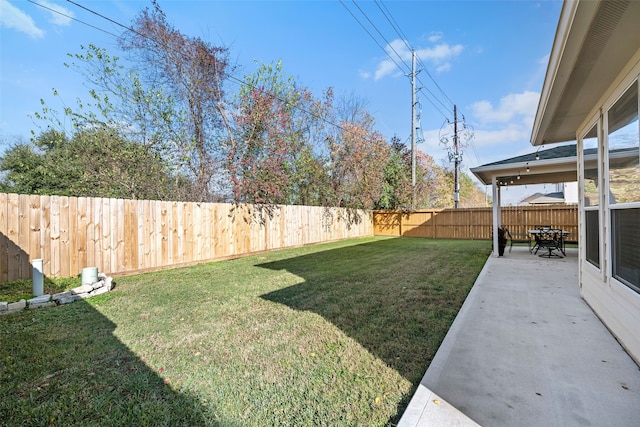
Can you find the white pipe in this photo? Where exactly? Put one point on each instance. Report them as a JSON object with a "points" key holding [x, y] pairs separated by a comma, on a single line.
{"points": [[38, 279]]}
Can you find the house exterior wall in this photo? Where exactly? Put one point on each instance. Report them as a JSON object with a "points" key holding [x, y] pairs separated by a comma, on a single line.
{"points": [[617, 304]]}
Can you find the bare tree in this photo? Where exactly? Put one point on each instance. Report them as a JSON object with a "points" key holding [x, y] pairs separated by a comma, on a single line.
{"points": [[194, 72]]}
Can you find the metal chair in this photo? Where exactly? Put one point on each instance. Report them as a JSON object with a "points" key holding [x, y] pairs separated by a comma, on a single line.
{"points": [[548, 239]]}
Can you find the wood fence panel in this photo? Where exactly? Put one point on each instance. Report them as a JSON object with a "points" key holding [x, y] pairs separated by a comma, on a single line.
{"points": [[81, 233], [172, 231], [130, 261], [222, 235], [105, 237], [156, 250], [90, 232], [119, 232], [96, 214], [4, 238], [34, 228], [387, 223], [13, 221], [473, 223], [75, 267], [124, 236], [55, 254], [208, 231], [245, 225], [23, 235], [45, 234], [64, 248], [275, 228], [187, 228], [151, 228]]}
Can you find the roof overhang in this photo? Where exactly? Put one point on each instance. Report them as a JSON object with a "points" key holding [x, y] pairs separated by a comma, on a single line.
{"points": [[540, 172], [594, 41]]}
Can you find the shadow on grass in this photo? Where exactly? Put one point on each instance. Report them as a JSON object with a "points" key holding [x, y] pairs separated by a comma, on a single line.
{"points": [[63, 366], [396, 297]]}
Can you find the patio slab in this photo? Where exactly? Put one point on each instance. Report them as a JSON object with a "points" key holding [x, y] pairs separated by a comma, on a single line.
{"points": [[526, 350]]}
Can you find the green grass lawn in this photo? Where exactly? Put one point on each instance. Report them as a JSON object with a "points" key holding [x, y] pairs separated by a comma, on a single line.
{"points": [[23, 289], [332, 334]]}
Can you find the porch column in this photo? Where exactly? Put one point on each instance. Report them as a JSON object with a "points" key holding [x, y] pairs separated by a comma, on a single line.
{"points": [[496, 213]]}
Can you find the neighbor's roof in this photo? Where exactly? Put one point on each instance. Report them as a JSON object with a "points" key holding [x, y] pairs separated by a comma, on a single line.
{"points": [[594, 42], [539, 199]]}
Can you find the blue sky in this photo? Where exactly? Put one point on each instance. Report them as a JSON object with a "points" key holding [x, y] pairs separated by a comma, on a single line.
{"points": [[487, 57]]}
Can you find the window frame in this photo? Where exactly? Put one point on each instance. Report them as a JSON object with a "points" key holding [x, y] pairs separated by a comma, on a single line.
{"points": [[609, 207], [595, 124]]}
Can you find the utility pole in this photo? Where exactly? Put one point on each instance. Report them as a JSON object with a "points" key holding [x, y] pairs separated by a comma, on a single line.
{"points": [[413, 129], [456, 157]]}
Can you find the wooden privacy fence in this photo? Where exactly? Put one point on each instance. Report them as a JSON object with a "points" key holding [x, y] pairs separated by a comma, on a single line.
{"points": [[473, 223], [127, 236]]}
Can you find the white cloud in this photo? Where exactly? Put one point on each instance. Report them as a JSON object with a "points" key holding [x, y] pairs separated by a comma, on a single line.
{"points": [[440, 53], [509, 134], [385, 68], [434, 37], [12, 17], [60, 16], [438, 56], [516, 105]]}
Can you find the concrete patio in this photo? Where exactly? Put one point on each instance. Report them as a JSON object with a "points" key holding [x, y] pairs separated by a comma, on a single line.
{"points": [[526, 350]]}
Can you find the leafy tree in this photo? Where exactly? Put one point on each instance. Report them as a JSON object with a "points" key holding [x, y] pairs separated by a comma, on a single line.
{"points": [[471, 195], [95, 163], [23, 170], [276, 154], [261, 156], [169, 98], [28, 171], [357, 161], [432, 183], [397, 191]]}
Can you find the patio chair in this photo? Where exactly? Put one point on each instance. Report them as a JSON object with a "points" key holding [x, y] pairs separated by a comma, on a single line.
{"points": [[549, 240], [536, 244]]}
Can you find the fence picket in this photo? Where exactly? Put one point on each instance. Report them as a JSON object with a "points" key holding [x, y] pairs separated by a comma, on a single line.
{"points": [[4, 239]]}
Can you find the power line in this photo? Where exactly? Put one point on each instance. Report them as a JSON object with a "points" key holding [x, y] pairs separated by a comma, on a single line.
{"points": [[101, 16], [404, 40], [434, 81], [394, 24], [396, 27], [72, 18], [373, 38]]}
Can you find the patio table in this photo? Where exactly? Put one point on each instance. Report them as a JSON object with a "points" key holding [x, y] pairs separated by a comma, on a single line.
{"points": [[550, 239]]}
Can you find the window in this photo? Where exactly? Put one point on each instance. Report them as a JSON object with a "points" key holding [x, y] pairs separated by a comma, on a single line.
{"points": [[626, 246], [592, 237], [591, 196], [624, 145], [624, 188]]}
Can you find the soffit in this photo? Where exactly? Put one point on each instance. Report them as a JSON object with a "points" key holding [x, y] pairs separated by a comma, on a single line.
{"points": [[593, 43]]}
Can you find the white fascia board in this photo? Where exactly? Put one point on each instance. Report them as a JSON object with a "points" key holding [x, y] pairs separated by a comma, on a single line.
{"points": [[575, 21]]}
